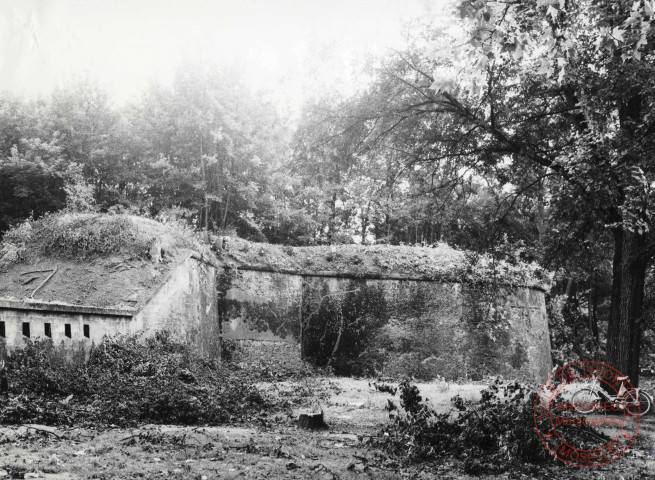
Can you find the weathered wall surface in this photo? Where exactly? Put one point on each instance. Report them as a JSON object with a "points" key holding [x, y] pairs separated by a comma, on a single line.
{"points": [[393, 326], [185, 306], [384, 325], [256, 305]]}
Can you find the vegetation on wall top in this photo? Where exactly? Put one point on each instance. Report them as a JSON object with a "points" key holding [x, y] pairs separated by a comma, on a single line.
{"points": [[436, 262], [103, 260], [79, 235]]}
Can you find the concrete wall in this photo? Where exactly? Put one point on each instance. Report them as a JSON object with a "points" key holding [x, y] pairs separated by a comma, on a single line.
{"points": [[383, 325], [392, 326], [425, 329], [185, 305], [258, 305]]}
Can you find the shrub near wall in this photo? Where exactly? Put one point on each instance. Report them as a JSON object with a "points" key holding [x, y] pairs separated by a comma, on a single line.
{"points": [[126, 382], [424, 329], [341, 322]]}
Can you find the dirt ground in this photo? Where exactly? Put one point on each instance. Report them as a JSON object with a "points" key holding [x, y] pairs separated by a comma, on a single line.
{"points": [[276, 448], [102, 282]]}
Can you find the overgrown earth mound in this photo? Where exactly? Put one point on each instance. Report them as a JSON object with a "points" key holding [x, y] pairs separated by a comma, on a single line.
{"points": [[102, 260], [119, 261]]}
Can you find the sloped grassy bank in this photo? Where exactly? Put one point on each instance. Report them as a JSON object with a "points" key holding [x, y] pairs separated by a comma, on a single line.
{"points": [[103, 260]]}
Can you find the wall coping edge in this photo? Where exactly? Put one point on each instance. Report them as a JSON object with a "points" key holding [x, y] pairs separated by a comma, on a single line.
{"points": [[64, 308], [367, 276]]}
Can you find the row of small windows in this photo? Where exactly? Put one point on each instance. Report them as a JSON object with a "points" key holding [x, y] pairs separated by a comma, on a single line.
{"points": [[47, 330]]}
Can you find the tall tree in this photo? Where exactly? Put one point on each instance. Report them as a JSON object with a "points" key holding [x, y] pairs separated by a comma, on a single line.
{"points": [[32, 164], [214, 146], [558, 92], [93, 134], [327, 151]]}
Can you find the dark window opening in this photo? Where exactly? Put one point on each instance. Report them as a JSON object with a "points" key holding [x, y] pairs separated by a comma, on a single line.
{"points": [[67, 330], [2, 329], [87, 331], [26, 329], [47, 329]]}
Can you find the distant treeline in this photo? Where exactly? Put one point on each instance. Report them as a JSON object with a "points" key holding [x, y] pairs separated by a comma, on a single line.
{"points": [[218, 155]]}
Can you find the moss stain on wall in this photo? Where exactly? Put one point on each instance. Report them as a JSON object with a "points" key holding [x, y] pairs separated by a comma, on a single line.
{"points": [[392, 327], [257, 305]]}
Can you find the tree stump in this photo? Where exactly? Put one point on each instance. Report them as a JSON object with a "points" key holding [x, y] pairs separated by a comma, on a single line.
{"points": [[311, 420]]}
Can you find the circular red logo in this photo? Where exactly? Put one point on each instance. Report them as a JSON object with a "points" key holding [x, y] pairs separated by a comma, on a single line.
{"points": [[587, 414]]}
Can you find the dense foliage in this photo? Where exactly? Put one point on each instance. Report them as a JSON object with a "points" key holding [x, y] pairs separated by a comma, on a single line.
{"points": [[127, 381], [531, 125], [210, 151], [85, 235], [207, 150], [489, 437]]}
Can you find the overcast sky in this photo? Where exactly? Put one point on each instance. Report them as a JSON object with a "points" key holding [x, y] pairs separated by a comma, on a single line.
{"points": [[283, 45]]}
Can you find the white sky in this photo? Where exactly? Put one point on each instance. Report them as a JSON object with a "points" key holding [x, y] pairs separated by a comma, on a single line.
{"points": [[286, 46]]}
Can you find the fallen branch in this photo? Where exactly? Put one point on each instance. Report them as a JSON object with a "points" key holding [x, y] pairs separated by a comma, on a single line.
{"points": [[36, 271], [44, 282], [78, 434], [190, 437], [336, 343], [43, 430], [136, 435]]}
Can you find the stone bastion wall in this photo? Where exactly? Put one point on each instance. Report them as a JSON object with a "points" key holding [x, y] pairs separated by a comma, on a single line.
{"points": [[386, 324]]}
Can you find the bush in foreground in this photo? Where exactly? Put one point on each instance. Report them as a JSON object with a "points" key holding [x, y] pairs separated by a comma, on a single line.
{"points": [[127, 382], [489, 437]]}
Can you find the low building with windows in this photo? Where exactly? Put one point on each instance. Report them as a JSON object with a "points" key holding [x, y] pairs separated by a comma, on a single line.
{"points": [[145, 287], [75, 327]]}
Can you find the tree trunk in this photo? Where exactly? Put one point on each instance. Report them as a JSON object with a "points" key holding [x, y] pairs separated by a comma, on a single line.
{"points": [[365, 223], [388, 224], [569, 288], [205, 205], [592, 307], [628, 278], [338, 340], [333, 218], [225, 210]]}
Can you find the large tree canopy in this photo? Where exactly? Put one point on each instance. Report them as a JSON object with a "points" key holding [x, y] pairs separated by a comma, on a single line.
{"points": [[554, 98]]}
